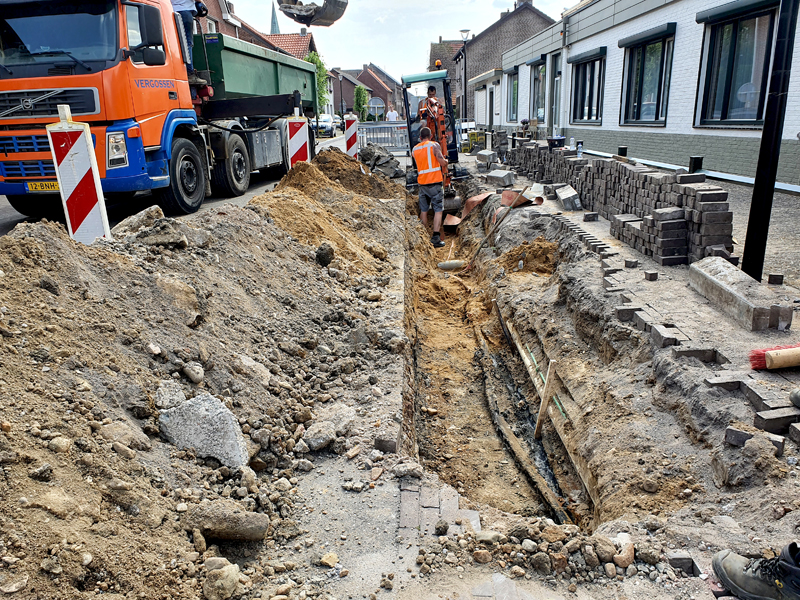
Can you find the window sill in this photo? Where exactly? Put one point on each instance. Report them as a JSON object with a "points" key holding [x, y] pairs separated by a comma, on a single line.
{"points": [[590, 123], [752, 126], [661, 124]]}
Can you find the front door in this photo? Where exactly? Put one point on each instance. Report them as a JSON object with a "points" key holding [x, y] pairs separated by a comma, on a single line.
{"points": [[490, 108]]}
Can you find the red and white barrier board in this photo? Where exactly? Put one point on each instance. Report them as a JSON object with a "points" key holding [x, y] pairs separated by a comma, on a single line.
{"points": [[351, 134], [298, 140], [78, 178]]}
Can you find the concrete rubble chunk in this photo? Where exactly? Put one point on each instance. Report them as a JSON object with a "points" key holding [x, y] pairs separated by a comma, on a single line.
{"points": [[169, 395], [319, 435], [738, 437], [207, 425], [226, 520], [500, 178], [132, 224], [737, 294], [220, 584]]}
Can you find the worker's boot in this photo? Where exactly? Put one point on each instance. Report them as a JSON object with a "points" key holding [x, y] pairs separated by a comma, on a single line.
{"points": [[195, 80], [760, 578], [437, 241]]}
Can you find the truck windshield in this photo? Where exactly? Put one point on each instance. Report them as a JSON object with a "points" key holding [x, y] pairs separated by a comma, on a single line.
{"points": [[46, 32]]}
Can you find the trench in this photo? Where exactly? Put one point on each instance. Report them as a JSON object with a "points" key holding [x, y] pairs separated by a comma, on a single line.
{"points": [[471, 400]]}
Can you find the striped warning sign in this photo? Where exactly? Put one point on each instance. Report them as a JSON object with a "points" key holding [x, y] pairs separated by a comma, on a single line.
{"points": [[78, 178], [351, 134], [298, 140]]}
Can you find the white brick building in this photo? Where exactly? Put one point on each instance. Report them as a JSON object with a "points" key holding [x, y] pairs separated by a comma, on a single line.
{"points": [[653, 75]]}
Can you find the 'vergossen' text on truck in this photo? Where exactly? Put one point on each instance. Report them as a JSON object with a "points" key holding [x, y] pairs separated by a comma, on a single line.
{"points": [[121, 67]]}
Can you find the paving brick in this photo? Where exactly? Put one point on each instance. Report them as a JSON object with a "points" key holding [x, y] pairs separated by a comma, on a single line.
{"points": [[726, 382], [631, 263], [794, 433], [429, 497], [691, 178], [504, 588], [484, 590], [473, 517], [708, 355], [590, 216], [737, 437], [500, 178], [713, 207], [663, 336], [778, 420], [651, 275], [626, 312], [757, 394], [428, 517], [642, 321], [708, 196], [409, 509], [775, 279]]}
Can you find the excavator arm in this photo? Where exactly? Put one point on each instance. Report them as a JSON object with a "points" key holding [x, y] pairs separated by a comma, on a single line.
{"points": [[313, 14]]}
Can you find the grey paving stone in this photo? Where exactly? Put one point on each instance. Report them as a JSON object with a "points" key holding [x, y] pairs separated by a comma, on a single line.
{"points": [[474, 517], [429, 497], [427, 520], [484, 590], [409, 509], [504, 588]]}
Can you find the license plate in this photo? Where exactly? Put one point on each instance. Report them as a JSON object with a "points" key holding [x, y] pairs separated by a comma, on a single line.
{"points": [[41, 186]]}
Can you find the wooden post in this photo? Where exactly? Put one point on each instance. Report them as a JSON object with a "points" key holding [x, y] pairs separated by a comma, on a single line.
{"points": [[548, 381]]}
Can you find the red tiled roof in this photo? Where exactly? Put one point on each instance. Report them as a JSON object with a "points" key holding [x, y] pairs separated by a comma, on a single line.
{"points": [[378, 79], [295, 44]]}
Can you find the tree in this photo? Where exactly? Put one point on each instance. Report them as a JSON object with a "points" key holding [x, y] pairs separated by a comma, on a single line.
{"points": [[322, 79], [361, 97]]}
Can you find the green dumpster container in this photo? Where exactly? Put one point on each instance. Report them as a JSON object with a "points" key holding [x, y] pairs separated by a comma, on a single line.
{"points": [[240, 70]]}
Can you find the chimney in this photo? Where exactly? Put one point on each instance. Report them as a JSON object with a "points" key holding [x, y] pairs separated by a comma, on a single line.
{"points": [[440, 39], [230, 8], [303, 31]]}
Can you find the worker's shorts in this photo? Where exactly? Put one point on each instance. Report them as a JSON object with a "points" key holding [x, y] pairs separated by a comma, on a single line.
{"points": [[431, 195]]}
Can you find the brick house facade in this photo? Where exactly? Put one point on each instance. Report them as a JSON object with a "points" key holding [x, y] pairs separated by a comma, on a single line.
{"points": [[485, 50], [347, 87], [393, 85], [221, 19], [379, 89]]}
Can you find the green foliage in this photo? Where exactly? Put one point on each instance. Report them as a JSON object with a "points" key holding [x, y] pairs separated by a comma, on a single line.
{"points": [[360, 102], [322, 79]]}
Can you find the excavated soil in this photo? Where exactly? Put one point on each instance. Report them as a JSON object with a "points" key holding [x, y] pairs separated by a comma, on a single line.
{"points": [[355, 176]]}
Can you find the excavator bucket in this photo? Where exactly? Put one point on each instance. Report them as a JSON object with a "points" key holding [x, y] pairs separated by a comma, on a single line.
{"points": [[312, 14]]}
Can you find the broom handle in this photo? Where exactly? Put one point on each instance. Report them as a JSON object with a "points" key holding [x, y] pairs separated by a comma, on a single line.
{"points": [[779, 359]]}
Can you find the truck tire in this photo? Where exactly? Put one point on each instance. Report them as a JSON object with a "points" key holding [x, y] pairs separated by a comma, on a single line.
{"points": [[187, 179], [231, 177], [38, 206]]}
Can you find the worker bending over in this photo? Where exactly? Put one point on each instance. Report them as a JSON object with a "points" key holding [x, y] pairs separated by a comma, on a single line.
{"points": [[430, 164]]}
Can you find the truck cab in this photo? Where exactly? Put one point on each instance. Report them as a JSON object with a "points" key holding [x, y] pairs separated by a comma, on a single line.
{"points": [[121, 67]]}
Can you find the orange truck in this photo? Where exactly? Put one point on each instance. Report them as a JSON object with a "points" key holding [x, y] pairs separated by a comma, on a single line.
{"points": [[121, 67]]}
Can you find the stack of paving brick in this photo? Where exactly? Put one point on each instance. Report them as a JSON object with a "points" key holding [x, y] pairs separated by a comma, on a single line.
{"points": [[632, 193], [665, 236]]}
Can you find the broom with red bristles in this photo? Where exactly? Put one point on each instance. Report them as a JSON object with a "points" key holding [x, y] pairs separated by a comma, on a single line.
{"points": [[778, 357]]}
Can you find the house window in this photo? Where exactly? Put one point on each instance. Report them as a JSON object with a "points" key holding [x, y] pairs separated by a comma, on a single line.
{"points": [[211, 25], [538, 89], [513, 96], [737, 65], [647, 79], [587, 91]]}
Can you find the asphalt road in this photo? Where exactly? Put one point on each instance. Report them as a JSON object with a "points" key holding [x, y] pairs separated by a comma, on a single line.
{"points": [[258, 185]]}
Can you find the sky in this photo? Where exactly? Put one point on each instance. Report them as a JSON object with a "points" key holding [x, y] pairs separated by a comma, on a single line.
{"points": [[394, 34]]}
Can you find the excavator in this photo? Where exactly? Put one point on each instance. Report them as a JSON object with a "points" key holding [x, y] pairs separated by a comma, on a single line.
{"points": [[313, 14]]}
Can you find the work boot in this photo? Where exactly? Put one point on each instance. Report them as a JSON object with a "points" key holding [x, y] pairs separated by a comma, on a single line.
{"points": [[437, 241], [760, 578], [195, 80]]}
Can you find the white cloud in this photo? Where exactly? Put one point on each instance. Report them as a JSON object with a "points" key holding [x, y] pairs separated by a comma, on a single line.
{"points": [[397, 36]]}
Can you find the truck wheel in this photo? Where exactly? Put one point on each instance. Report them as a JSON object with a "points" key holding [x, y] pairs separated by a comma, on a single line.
{"points": [[38, 206], [187, 179], [232, 176]]}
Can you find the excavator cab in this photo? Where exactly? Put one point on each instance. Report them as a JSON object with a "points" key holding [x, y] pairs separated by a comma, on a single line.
{"points": [[416, 120], [313, 14]]}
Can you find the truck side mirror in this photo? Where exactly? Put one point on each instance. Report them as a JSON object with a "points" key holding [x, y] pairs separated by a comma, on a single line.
{"points": [[153, 57], [150, 25]]}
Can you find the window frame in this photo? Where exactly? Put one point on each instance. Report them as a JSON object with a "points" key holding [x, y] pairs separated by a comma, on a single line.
{"points": [[512, 108], [209, 21], [711, 32], [538, 87], [578, 97], [664, 81]]}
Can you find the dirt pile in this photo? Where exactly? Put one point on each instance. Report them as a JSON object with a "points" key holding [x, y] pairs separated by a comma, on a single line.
{"points": [[230, 311], [537, 257], [355, 176]]}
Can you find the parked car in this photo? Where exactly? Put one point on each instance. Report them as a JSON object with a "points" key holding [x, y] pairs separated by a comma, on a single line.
{"points": [[325, 126], [338, 122]]}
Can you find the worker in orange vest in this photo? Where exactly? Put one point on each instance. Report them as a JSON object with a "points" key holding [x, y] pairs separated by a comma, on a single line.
{"points": [[430, 162]]}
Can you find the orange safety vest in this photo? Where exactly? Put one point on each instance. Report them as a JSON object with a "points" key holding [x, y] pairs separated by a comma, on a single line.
{"points": [[428, 168]]}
